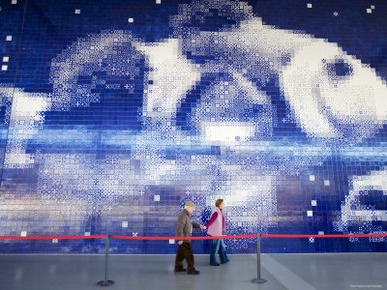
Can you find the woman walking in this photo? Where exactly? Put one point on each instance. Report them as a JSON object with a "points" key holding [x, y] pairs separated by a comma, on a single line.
{"points": [[217, 227]]}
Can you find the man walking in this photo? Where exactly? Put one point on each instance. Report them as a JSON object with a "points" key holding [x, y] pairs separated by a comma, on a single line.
{"points": [[184, 229]]}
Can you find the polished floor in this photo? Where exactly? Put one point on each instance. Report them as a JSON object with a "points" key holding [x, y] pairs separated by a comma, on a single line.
{"points": [[282, 271]]}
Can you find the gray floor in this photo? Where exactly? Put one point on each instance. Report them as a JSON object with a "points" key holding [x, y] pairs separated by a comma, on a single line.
{"points": [[282, 271]]}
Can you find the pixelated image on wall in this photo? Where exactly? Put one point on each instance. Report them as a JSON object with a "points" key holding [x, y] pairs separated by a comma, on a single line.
{"points": [[113, 114]]}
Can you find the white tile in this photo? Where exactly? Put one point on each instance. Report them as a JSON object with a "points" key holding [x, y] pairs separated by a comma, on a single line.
{"points": [[125, 224], [6, 59], [77, 11], [130, 20], [313, 202], [326, 183], [171, 242], [312, 178], [369, 10], [309, 213], [14, 2], [156, 197], [309, 5], [158, 1], [372, 6], [8, 38], [87, 233], [54, 241], [23, 234], [4, 67]]}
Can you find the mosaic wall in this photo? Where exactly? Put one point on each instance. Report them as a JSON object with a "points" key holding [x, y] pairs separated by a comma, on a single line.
{"points": [[113, 113]]}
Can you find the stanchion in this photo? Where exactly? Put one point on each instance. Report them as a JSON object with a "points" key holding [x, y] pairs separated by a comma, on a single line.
{"points": [[258, 280], [106, 282]]}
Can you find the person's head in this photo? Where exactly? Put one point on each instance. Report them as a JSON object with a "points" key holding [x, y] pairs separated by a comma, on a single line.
{"points": [[189, 206], [219, 203]]}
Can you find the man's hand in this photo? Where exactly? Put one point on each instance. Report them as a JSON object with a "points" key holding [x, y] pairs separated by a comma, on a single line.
{"points": [[180, 243], [203, 227]]}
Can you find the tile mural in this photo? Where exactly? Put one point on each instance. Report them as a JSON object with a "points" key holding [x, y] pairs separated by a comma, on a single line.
{"points": [[113, 113]]}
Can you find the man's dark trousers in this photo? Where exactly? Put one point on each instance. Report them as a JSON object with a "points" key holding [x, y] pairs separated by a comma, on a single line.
{"points": [[185, 252]]}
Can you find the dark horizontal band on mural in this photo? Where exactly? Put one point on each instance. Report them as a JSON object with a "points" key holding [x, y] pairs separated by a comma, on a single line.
{"points": [[191, 238]]}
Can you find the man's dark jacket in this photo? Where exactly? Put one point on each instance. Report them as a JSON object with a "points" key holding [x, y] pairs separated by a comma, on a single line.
{"points": [[184, 226]]}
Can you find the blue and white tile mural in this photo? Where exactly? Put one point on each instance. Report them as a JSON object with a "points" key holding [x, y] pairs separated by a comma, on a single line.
{"points": [[113, 113]]}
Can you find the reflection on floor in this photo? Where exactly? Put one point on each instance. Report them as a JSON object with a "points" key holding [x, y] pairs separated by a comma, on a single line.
{"points": [[282, 271]]}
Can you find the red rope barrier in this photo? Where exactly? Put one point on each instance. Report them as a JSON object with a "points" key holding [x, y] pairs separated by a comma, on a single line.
{"points": [[182, 238], [51, 237], [324, 236], [190, 238]]}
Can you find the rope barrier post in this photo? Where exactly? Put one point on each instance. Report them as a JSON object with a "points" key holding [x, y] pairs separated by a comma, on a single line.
{"points": [[258, 280], [106, 282]]}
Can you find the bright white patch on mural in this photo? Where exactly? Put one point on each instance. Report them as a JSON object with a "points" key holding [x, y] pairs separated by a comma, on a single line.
{"points": [[27, 116], [330, 92], [355, 211], [172, 75], [228, 133]]}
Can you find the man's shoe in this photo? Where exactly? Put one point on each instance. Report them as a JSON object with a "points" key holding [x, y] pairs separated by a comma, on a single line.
{"points": [[215, 264], [194, 273], [180, 270]]}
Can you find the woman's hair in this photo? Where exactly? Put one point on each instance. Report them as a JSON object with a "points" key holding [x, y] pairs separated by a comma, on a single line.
{"points": [[218, 202]]}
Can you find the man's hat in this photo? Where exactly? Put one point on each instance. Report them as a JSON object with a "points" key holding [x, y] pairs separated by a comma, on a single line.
{"points": [[189, 203]]}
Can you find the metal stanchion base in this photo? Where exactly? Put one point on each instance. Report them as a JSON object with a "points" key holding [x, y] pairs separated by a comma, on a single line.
{"points": [[258, 281], [105, 283]]}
